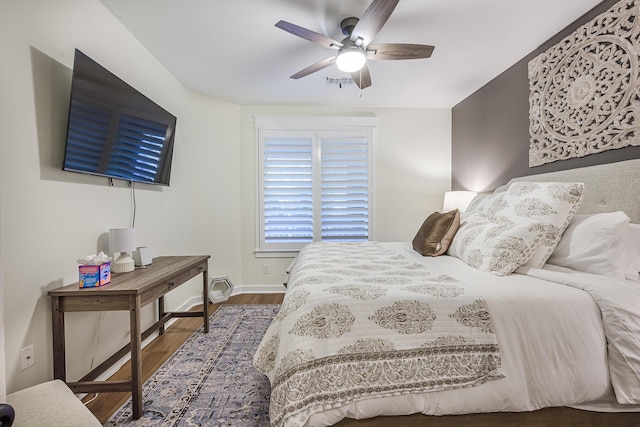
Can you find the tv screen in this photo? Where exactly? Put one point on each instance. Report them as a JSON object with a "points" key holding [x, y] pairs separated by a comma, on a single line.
{"points": [[114, 130]]}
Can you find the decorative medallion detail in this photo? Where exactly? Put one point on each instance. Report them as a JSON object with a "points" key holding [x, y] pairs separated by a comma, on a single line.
{"points": [[266, 356], [368, 345], [441, 291], [584, 91], [295, 300], [405, 317], [475, 315], [325, 321], [364, 292]]}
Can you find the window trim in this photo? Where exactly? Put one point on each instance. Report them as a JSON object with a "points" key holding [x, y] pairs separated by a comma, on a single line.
{"points": [[314, 124]]}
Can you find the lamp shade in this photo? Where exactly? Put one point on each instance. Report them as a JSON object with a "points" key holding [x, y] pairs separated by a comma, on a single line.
{"points": [[122, 239], [457, 200]]}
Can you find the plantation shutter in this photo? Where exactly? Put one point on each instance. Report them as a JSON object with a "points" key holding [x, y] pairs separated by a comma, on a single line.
{"points": [[288, 188], [314, 181], [344, 187]]}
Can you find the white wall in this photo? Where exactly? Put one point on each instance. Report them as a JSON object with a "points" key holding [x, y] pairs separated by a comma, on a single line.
{"points": [[3, 386], [411, 172], [49, 218]]}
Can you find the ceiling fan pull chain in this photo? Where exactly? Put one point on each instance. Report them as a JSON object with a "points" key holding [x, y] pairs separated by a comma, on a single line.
{"points": [[360, 85]]}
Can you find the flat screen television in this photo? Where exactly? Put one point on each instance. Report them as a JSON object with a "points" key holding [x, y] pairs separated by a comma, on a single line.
{"points": [[115, 131]]}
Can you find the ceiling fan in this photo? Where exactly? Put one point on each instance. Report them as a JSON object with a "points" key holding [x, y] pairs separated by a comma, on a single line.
{"points": [[356, 48]]}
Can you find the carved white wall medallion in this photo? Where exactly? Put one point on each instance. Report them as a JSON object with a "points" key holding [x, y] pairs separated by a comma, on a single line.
{"points": [[584, 91]]}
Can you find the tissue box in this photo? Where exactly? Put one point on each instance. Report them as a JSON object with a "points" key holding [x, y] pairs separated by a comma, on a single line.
{"points": [[92, 276]]}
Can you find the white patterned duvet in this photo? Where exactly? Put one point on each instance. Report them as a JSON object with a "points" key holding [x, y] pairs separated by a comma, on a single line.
{"points": [[372, 329]]}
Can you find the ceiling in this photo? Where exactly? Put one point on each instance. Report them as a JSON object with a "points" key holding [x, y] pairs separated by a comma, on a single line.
{"points": [[232, 50]]}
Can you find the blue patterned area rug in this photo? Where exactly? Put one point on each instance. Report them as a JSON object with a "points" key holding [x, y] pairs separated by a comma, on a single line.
{"points": [[210, 380]]}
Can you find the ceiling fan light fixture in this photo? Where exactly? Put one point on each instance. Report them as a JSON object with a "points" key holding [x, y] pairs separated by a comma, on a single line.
{"points": [[350, 59], [354, 51]]}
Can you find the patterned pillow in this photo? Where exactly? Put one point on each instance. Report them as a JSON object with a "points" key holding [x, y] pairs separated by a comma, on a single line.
{"points": [[435, 234], [544, 209], [550, 206], [494, 244]]}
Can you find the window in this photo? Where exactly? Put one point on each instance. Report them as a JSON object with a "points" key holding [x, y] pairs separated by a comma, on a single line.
{"points": [[314, 181]]}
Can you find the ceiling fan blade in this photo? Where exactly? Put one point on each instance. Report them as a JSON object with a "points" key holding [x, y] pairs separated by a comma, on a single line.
{"points": [[362, 78], [393, 51], [373, 20], [315, 67], [309, 35]]}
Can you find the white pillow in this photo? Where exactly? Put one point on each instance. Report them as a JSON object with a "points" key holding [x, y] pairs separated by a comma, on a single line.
{"points": [[596, 244], [632, 253]]}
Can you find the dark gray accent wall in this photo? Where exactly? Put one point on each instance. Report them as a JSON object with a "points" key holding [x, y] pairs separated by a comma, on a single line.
{"points": [[490, 128]]}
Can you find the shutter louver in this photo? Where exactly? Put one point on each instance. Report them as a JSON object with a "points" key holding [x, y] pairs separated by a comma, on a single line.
{"points": [[345, 189], [288, 192], [88, 128], [138, 147], [102, 139]]}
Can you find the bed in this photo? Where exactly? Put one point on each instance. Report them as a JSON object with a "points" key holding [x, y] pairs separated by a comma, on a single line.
{"points": [[377, 329]]}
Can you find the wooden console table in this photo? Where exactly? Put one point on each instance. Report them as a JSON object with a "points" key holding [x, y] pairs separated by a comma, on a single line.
{"points": [[127, 291]]}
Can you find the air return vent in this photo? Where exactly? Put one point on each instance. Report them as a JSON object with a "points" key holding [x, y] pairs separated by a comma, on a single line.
{"points": [[339, 81]]}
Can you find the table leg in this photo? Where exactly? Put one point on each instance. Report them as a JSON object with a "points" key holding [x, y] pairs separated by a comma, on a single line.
{"points": [[59, 356], [205, 299], [136, 357], [161, 313]]}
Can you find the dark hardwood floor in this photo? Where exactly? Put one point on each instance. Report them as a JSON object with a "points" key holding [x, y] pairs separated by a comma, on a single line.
{"points": [[160, 349]]}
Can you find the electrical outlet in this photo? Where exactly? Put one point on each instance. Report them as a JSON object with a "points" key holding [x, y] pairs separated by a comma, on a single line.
{"points": [[265, 269], [26, 357]]}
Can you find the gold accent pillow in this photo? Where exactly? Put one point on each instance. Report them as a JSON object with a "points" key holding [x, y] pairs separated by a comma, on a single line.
{"points": [[435, 234]]}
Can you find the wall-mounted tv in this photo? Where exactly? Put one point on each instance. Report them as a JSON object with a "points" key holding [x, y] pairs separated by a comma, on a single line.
{"points": [[114, 130]]}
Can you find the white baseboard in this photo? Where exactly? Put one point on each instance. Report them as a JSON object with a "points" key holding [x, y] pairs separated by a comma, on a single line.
{"points": [[258, 289]]}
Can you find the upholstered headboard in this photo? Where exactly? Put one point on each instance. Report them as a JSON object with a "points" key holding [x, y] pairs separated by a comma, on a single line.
{"points": [[608, 188]]}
